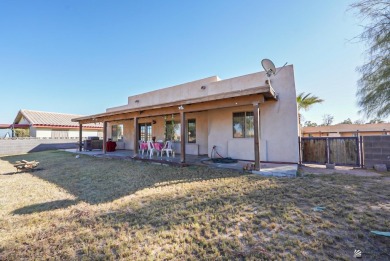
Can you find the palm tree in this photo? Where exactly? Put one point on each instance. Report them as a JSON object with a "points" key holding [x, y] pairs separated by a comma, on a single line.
{"points": [[305, 101]]}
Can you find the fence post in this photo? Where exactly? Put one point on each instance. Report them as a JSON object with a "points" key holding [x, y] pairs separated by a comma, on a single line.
{"points": [[327, 151], [300, 150], [361, 152]]}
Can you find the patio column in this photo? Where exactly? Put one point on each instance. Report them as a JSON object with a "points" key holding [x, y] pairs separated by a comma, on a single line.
{"points": [[135, 135], [104, 137], [80, 137], [256, 117], [183, 137]]}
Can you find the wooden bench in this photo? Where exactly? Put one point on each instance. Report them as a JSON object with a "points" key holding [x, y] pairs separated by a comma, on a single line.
{"points": [[25, 165]]}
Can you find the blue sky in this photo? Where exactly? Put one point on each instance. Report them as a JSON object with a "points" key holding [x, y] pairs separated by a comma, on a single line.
{"points": [[82, 57]]}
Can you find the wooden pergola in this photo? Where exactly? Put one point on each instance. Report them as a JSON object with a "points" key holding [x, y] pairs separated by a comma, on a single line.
{"points": [[253, 96]]}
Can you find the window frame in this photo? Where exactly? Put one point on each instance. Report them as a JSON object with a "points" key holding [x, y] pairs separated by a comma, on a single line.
{"points": [[188, 130], [243, 122], [146, 129], [117, 137], [175, 132]]}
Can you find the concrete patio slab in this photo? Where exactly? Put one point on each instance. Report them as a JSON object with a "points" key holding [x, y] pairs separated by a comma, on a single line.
{"points": [[266, 169], [277, 170]]}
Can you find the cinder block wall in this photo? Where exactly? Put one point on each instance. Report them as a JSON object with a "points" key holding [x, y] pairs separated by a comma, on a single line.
{"points": [[20, 146], [376, 150]]}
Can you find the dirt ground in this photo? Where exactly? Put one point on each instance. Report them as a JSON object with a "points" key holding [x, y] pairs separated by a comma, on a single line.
{"points": [[321, 169]]}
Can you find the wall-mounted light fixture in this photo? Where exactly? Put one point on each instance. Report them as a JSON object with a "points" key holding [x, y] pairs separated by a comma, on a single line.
{"points": [[154, 121], [203, 87], [181, 107]]}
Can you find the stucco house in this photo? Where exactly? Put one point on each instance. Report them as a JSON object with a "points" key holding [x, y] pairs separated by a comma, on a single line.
{"points": [[347, 130], [247, 117], [53, 125]]}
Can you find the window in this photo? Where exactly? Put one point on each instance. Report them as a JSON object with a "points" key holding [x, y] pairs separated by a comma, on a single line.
{"points": [[145, 131], [243, 125], [173, 131], [117, 132], [191, 131]]}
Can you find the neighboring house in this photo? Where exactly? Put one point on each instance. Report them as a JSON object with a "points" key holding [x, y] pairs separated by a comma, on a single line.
{"points": [[53, 125], [227, 115], [6, 130], [347, 130]]}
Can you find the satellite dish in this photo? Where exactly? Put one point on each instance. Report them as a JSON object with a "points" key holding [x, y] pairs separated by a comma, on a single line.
{"points": [[268, 66]]}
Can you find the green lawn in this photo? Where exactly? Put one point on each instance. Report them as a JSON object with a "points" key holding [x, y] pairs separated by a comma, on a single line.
{"points": [[96, 208]]}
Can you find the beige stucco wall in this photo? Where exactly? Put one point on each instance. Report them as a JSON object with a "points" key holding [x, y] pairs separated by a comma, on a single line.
{"points": [[278, 123], [201, 131], [127, 132], [279, 119], [220, 134], [175, 93]]}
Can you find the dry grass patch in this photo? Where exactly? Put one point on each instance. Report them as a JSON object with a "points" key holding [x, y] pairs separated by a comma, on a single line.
{"points": [[95, 208]]}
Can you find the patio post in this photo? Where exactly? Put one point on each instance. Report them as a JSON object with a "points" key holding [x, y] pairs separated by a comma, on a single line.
{"points": [[104, 137], [183, 137], [135, 135], [80, 137], [256, 117]]}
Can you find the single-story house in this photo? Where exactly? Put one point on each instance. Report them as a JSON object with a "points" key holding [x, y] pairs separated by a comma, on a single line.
{"points": [[249, 117], [53, 125], [6, 130], [347, 130]]}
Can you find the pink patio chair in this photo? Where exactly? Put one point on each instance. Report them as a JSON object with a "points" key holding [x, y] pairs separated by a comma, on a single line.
{"points": [[167, 148], [141, 147]]}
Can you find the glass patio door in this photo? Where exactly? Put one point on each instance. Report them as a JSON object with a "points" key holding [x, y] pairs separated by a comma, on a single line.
{"points": [[145, 131]]}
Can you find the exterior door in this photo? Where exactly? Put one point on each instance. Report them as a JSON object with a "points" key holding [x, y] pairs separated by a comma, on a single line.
{"points": [[145, 131]]}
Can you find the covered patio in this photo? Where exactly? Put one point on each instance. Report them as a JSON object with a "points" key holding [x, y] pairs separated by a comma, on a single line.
{"points": [[252, 97], [241, 118], [266, 169]]}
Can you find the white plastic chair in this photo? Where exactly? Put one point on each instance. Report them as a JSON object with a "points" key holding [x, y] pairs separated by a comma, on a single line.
{"points": [[167, 148], [152, 149]]}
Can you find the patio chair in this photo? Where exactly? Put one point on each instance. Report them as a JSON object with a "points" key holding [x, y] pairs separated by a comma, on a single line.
{"points": [[152, 149], [167, 148], [140, 147]]}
